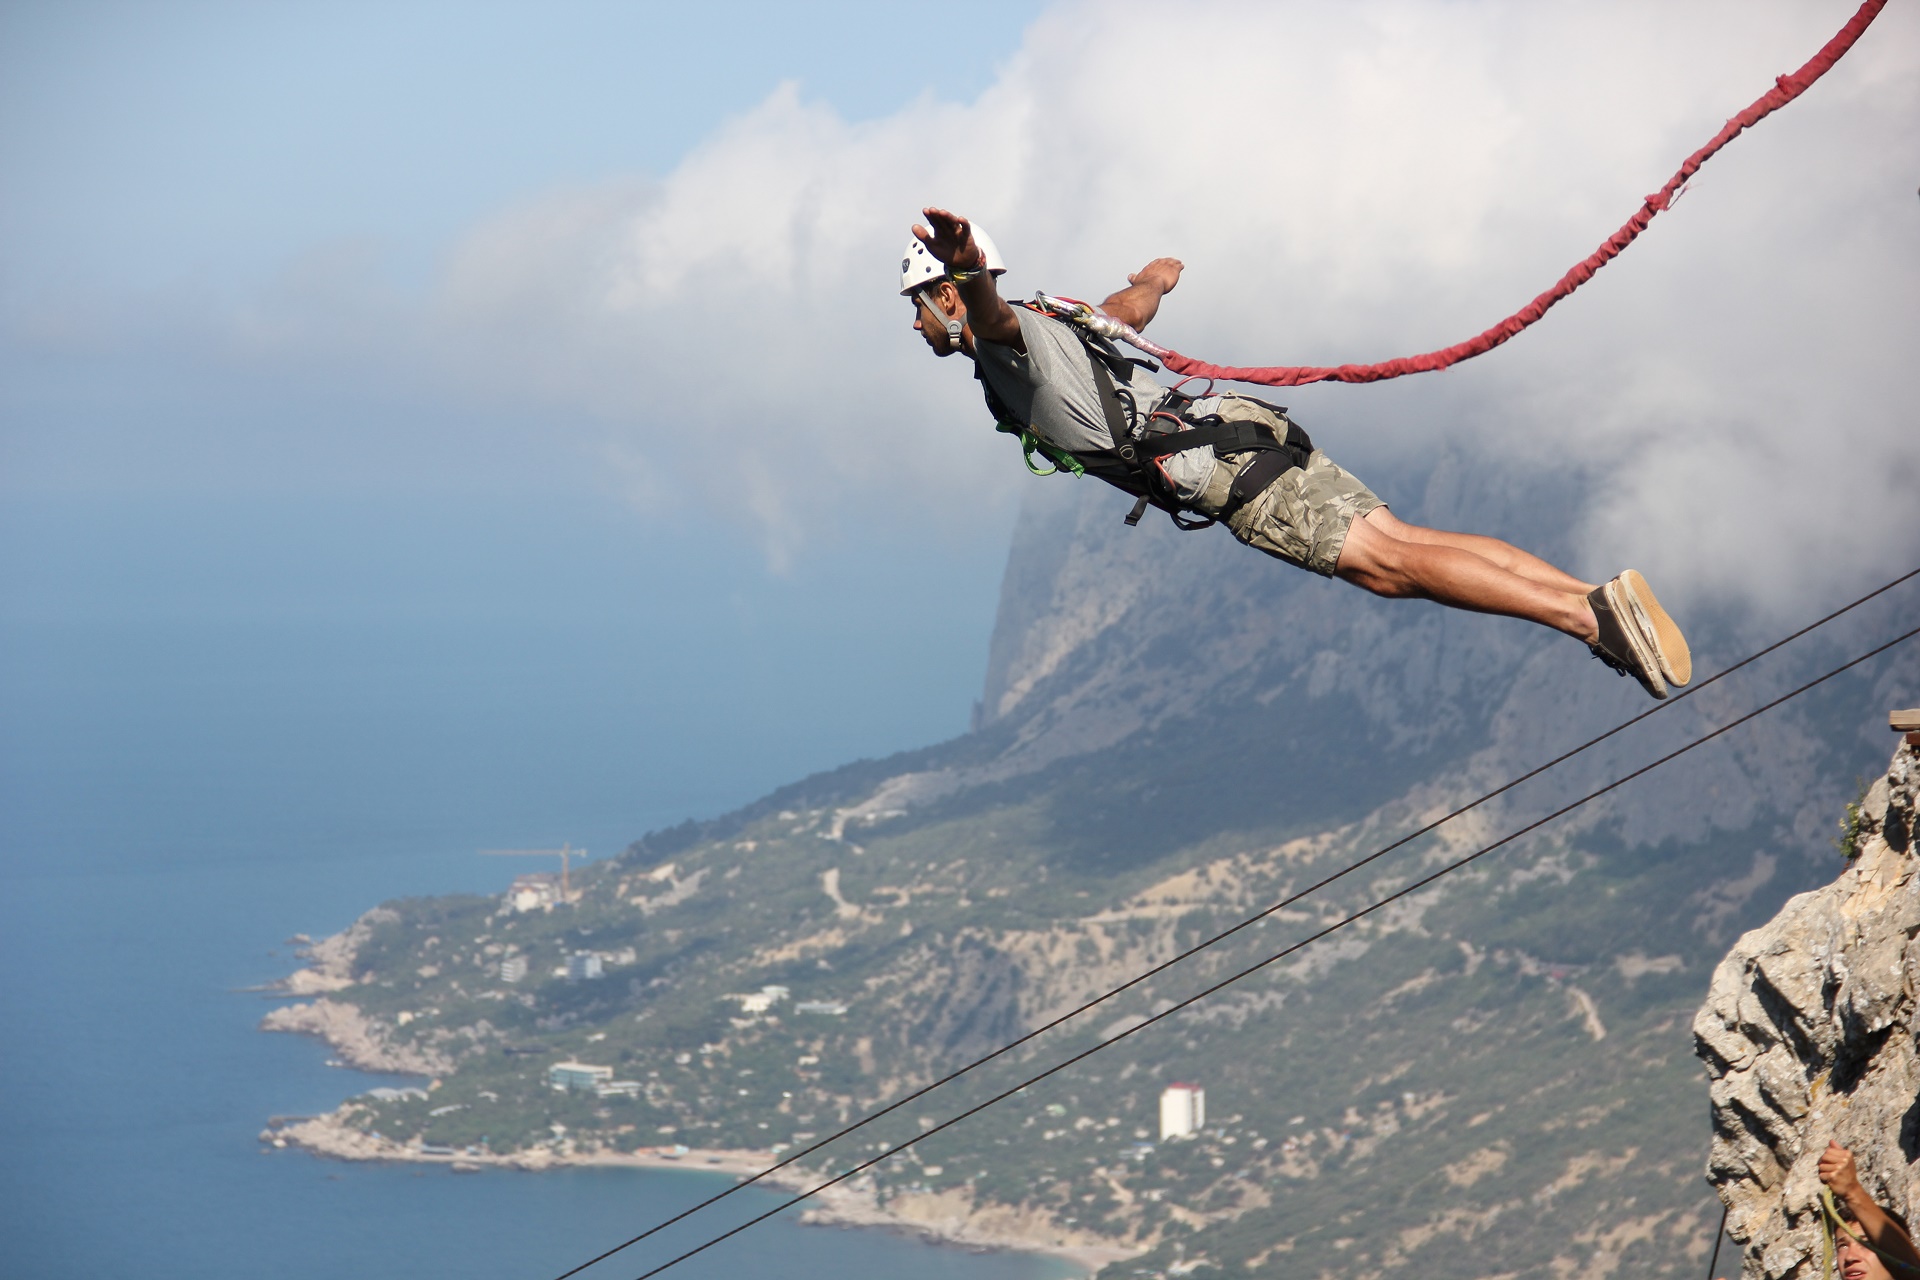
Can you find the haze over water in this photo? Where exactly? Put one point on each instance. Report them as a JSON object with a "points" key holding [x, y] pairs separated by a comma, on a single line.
{"points": [[201, 756]]}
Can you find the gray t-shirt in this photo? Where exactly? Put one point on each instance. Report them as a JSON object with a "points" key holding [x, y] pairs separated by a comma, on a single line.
{"points": [[1051, 388]]}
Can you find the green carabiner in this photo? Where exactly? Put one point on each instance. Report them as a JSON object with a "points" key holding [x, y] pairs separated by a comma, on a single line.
{"points": [[1031, 444]]}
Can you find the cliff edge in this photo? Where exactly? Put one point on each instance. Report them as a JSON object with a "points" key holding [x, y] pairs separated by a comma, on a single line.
{"points": [[1809, 1033]]}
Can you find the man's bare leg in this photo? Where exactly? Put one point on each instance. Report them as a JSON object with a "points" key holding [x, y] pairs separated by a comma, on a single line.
{"points": [[1504, 554], [1392, 558]]}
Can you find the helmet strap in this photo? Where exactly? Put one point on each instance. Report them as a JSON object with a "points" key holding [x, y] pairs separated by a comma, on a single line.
{"points": [[954, 323]]}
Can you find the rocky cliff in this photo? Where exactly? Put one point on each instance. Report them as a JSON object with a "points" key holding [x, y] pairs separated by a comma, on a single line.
{"points": [[1809, 1034]]}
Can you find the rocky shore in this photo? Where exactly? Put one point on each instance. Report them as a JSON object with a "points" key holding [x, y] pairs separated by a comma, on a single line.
{"points": [[948, 1217], [358, 1040]]}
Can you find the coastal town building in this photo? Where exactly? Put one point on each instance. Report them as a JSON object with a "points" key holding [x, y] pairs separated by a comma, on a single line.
{"points": [[828, 1008], [536, 891], [583, 965], [513, 968], [617, 1089], [581, 1076], [1183, 1110], [759, 1001]]}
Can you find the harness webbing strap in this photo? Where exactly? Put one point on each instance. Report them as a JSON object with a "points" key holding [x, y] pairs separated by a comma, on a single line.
{"points": [[1119, 426], [1785, 90], [1254, 478], [1229, 437]]}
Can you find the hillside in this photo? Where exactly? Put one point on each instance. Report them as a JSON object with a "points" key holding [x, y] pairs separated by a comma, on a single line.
{"points": [[1494, 1076]]}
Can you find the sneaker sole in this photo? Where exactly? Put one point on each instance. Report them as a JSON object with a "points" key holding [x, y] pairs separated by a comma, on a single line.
{"points": [[1642, 662], [1669, 646]]}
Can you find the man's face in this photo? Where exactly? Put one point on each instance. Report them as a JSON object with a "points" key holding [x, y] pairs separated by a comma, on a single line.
{"points": [[932, 322], [1857, 1262]]}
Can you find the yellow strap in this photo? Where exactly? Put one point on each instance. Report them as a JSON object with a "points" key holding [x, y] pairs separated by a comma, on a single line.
{"points": [[1827, 1219]]}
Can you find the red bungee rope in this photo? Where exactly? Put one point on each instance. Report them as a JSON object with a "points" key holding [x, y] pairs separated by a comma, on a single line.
{"points": [[1785, 90]]}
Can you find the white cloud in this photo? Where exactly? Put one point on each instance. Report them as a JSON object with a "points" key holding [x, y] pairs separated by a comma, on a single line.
{"points": [[1345, 181]]}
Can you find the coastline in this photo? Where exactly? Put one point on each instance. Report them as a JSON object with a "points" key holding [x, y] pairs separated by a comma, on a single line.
{"points": [[946, 1217], [949, 1217]]}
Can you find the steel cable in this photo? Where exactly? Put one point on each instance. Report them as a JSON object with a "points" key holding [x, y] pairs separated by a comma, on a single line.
{"points": [[1282, 954], [1250, 921]]}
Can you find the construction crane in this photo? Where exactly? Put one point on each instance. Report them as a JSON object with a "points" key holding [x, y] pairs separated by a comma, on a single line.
{"points": [[564, 853]]}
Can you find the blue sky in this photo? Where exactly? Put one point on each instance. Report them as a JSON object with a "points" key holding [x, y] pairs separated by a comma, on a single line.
{"points": [[148, 143]]}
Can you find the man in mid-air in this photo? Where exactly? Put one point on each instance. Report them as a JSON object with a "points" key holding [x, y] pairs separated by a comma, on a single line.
{"points": [[1069, 395]]}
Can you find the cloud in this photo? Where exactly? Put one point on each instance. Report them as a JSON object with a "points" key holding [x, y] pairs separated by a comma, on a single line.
{"points": [[1345, 182]]}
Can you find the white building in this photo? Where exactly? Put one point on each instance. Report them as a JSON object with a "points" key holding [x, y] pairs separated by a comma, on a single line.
{"points": [[513, 968], [535, 892], [759, 1001], [1183, 1110], [583, 1076], [585, 964], [617, 1089]]}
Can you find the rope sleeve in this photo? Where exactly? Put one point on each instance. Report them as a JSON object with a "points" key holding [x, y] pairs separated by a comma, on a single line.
{"points": [[1785, 90]]}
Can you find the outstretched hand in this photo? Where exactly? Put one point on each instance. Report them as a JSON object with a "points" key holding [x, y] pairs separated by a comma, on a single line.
{"points": [[950, 240], [1162, 274], [1139, 302], [1838, 1171]]}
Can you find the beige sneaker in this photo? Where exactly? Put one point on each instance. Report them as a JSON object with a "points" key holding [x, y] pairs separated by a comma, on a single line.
{"points": [[1669, 646], [1621, 644]]}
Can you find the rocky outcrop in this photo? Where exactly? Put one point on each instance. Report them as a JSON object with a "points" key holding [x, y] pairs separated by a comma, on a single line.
{"points": [[332, 959], [1809, 1034], [956, 1217], [361, 1041]]}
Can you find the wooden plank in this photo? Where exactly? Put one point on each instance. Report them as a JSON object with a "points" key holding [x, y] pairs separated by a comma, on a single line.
{"points": [[1907, 721]]}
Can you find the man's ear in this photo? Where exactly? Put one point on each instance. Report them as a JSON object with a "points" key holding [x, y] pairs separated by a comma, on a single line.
{"points": [[949, 300]]}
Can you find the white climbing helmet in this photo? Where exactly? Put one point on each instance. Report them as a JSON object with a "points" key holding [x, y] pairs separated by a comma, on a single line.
{"points": [[918, 268]]}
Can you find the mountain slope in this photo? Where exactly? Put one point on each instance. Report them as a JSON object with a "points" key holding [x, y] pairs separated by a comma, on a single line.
{"points": [[1491, 1077]]}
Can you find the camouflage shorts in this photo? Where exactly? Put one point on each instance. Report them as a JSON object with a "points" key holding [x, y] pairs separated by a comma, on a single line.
{"points": [[1303, 517]]}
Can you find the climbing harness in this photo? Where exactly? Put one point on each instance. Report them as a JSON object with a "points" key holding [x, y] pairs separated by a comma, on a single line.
{"points": [[1785, 90], [1830, 1221], [1096, 1001], [1173, 425]]}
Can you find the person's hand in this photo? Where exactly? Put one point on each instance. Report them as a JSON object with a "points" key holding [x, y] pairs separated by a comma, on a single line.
{"points": [[950, 240], [1161, 274], [1837, 1170]]}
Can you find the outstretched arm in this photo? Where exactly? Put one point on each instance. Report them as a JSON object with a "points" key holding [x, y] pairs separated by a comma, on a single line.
{"points": [[951, 241], [1137, 304]]}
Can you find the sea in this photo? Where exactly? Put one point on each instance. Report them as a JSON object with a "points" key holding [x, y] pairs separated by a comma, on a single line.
{"points": [[225, 721]]}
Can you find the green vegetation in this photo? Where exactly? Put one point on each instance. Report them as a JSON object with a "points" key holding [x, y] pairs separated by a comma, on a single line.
{"points": [[1520, 1034], [1848, 841]]}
